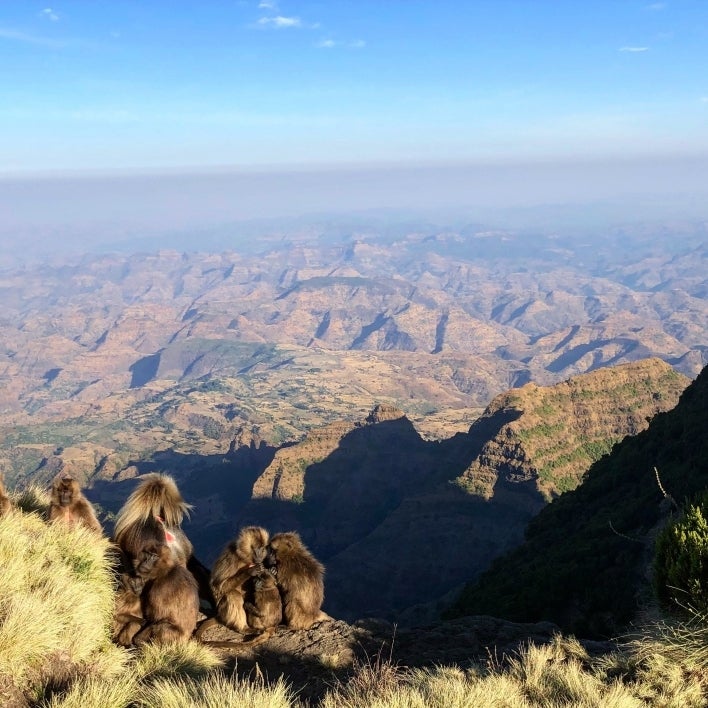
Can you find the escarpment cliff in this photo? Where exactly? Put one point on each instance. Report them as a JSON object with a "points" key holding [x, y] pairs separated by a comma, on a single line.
{"points": [[586, 557], [378, 503], [381, 506], [555, 433]]}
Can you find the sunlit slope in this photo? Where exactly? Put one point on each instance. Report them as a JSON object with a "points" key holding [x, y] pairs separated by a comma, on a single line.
{"points": [[585, 558]]}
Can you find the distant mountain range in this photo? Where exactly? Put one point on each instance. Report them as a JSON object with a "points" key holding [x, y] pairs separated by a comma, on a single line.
{"points": [[178, 351], [339, 382]]}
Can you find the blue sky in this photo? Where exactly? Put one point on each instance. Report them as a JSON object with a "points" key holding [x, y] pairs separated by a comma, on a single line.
{"points": [[135, 84]]}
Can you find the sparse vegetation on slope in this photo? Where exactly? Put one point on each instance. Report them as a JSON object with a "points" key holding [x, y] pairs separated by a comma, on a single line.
{"points": [[585, 561], [554, 675], [681, 562], [559, 431]]}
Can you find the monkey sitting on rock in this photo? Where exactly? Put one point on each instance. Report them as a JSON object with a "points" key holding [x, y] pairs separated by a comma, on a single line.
{"points": [[262, 603], [169, 595], [232, 579], [300, 580], [154, 513], [128, 616]]}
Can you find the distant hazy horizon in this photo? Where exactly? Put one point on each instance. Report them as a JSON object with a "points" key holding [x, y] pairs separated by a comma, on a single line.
{"points": [[125, 120], [90, 211]]}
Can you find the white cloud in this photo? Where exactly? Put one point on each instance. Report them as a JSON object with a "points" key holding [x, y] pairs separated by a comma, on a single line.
{"points": [[656, 6], [634, 49], [49, 14], [280, 22], [268, 5], [330, 44], [16, 36]]}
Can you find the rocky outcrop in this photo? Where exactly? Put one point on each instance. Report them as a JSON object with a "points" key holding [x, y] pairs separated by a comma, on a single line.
{"points": [[311, 660], [284, 479], [383, 412]]}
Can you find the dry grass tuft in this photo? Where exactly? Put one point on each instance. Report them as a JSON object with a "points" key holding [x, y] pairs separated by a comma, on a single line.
{"points": [[372, 681], [668, 662], [55, 599], [216, 691], [191, 660], [96, 692], [33, 499]]}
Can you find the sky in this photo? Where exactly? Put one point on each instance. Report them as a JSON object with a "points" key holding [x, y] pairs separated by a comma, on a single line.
{"points": [[140, 85]]}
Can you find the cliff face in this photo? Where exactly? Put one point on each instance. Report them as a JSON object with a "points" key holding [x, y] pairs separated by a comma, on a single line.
{"points": [[557, 432], [399, 520], [284, 479], [583, 563]]}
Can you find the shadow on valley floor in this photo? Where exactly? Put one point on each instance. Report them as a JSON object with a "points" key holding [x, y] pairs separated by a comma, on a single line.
{"points": [[382, 511]]}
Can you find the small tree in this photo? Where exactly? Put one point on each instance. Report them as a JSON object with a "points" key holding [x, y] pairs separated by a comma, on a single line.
{"points": [[681, 560]]}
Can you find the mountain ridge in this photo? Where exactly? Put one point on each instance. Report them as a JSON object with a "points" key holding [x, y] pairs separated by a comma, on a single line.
{"points": [[592, 546], [466, 314]]}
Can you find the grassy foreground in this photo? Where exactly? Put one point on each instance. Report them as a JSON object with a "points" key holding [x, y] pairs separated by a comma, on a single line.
{"points": [[56, 600]]}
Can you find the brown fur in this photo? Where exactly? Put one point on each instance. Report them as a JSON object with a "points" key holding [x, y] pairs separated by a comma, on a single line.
{"points": [[300, 579], [128, 615], [153, 512], [263, 606], [5, 504], [170, 599], [236, 565], [69, 506], [127, 610]]}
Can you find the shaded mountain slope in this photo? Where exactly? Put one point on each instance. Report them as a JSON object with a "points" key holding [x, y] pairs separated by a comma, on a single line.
{"points": [[397, 519], [400, 520], [583, 563]]}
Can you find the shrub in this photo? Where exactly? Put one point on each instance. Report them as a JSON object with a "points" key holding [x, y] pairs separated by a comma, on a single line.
{"points": [[681, 561]]}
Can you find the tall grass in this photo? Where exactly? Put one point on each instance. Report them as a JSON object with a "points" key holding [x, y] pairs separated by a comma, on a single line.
{"points": [[152, 665], [97, 692], [216, 691], [669, 658], [191, 660], [55, 599], [556, 675]]}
